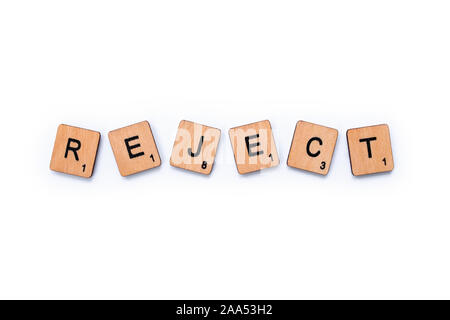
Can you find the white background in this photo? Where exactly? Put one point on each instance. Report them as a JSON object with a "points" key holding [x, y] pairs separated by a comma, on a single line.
{"points": [[168, 233]]}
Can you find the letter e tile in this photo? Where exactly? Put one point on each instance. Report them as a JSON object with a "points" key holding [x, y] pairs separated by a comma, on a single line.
{"points": [[134, 148], [254, 147]]}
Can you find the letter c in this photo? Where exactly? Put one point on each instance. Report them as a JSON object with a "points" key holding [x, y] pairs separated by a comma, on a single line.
{"points": [[308, 147]]}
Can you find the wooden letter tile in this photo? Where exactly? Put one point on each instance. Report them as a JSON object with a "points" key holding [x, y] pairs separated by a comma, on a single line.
{"points": [[134, 148], [75, 151], [370, 150], [312, 147], [195, 147], [254, 147]]}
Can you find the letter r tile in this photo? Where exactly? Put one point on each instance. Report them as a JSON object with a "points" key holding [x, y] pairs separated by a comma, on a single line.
{"points": [[75, 151], [312, 147], [254, 147], [195, 147], [134, 148], [370, 150]]}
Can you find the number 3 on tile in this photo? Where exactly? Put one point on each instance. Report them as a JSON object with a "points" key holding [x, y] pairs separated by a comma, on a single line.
{"points": [[323, 165]]}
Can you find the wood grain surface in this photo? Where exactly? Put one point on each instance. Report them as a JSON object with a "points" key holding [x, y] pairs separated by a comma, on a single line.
{"points": [[75, 151], [370, 150], [195, 147], [312, 147], [134, 148], [254, 147]]}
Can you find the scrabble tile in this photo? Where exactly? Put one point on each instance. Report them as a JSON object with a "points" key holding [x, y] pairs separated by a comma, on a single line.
{"points": [[312, 147], [75, 151], [370, 150], [254, 147], [195, 147], [134, 148]]}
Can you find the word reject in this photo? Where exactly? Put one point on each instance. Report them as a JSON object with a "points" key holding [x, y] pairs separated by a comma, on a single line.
{"points": [[195, 148]]}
